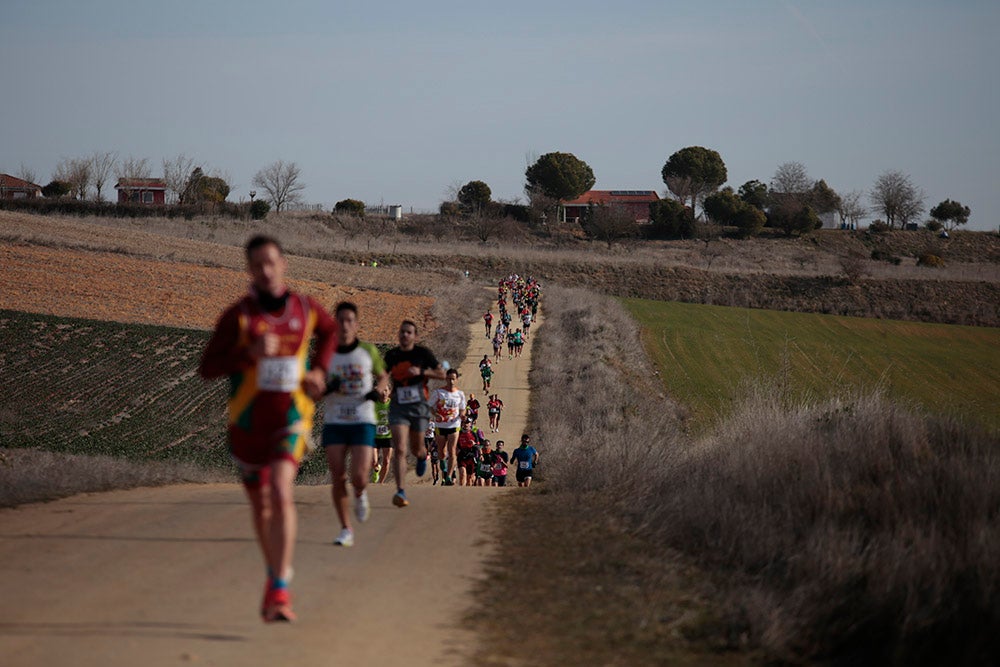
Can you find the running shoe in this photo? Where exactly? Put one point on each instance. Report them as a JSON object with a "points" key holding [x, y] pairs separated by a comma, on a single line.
{"points": [[399, 500], [447, 482], [421, 467], [345, 539], [374, 476], [278, 606], [362, 508]]}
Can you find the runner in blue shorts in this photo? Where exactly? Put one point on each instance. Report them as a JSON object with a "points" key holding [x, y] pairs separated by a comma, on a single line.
{"points": [[356, 379]]}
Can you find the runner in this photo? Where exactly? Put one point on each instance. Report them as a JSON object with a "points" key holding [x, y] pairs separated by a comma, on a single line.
{"points": [[526, 322], [488, 318], [448, 409], [262, 343], [383, 438], [466, 454], [356, 379], [410, 365], [500, 465], [498, 343], [486, 371], [472, 408], [484, 465], [524, 459], [494, 407], [518, 343]]}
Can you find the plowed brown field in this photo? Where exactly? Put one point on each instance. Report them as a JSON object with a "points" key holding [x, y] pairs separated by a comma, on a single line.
{"points": [[111, 286]]}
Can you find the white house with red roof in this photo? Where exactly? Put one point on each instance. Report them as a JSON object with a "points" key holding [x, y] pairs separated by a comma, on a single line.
{"points": [[12, 187], [636, 202]]}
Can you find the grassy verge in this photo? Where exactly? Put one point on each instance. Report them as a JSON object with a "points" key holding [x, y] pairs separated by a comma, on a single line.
{"points": [[847, 530], [707, 354]]}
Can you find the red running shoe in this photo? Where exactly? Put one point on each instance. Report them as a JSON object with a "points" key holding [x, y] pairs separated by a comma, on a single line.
{"points": [[277, 605]]}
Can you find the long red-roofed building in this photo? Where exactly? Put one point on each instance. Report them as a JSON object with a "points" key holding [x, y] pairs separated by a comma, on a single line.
{"points": [[636, 202]]}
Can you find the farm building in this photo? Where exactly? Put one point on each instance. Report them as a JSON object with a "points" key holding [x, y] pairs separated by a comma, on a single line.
{"points": [[151, 191], [636, 202], [12, 187]]}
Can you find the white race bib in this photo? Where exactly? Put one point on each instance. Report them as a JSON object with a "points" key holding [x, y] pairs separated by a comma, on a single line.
{"points": [[347, 413], [279, 374], [381, 430], [407, 395], [524, 465]]}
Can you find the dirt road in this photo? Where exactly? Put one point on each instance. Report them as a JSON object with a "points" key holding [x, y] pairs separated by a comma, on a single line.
{"points": [[172, 576]]}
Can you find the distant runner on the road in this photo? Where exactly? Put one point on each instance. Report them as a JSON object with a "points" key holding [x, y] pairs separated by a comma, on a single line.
{"points": [[524, 459]]}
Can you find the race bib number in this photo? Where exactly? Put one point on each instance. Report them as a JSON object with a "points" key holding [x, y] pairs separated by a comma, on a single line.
{"points": [[381, 430], [279, 374], [347, 413], [524, 465], [407, 395]]}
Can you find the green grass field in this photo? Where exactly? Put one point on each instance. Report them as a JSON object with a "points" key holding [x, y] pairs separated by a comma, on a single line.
{"points": [[708, 354]]}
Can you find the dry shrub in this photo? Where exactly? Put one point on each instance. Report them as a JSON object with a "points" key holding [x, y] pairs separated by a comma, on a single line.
{"points": [[34, 475], [852, 530]]}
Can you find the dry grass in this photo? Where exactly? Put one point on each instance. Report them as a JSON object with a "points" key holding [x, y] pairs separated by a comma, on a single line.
{"points": [[852, 530], [34, 475]]}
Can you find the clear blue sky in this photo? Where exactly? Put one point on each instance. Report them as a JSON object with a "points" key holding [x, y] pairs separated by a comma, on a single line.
{"points": [[396, 101]]}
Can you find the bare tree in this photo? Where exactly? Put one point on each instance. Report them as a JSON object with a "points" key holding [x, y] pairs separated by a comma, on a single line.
{"points": [[26, 173], [102, 165], [77, 172], [896, 197], [610, 224], [851, 209], [485, 225], [132, 167], [791, 178], [176, 174], [280, 180]]}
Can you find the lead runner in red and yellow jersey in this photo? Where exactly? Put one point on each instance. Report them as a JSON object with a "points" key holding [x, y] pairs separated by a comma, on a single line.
{"points": [[262, 343]]}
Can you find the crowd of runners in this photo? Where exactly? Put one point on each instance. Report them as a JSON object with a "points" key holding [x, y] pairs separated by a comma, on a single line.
{"points": [[375, 408]]}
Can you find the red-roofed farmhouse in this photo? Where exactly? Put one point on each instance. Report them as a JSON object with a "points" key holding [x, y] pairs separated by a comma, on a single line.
{"points": [[636, 202], [12, 187], [151, 191]]}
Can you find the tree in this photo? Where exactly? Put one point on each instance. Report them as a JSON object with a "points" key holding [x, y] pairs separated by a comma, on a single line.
{"points": [[749, 220], [133, 167], [723, 206], [353, 207], [726, 208], [213, 190], [670, 219], [280, 180], [609, 224], [77, 172], [823, 198], [851, 209], [26, 173], [259, 209], [896, 197], [791, 178], [795, 199], [177, 174], [693, 172], [951, 213], [754, 193], [56, 189], [102, 165], [559, 176], [474, 196]]}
